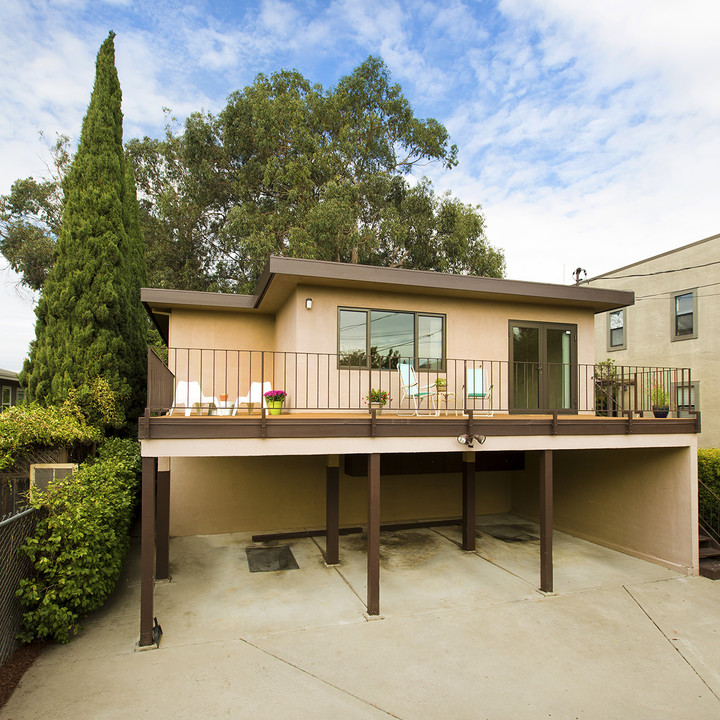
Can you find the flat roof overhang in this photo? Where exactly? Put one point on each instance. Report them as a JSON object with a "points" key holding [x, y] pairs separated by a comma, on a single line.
{"points": [[282, 275]]}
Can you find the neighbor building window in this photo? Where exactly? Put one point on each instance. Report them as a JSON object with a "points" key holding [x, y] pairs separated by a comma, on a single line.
{"points": [[6, 396], [380, 338], [616, 330], [684, 317], [19, 396]]}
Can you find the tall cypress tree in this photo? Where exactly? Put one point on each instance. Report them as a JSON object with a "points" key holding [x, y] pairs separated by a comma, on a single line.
{"points": [[90, 323]]}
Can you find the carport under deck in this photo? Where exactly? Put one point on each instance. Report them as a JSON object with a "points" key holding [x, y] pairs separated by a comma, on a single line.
{"points": [[214, 596], [334, 436]]}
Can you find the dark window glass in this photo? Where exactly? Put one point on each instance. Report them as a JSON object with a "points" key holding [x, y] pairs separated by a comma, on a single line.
{"points": [[617, 328], [352, 339], [430, 342], [684, 324], [390, 336]]}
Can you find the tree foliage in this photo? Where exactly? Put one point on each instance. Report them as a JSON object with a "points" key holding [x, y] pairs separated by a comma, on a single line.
{"points": [[289, 168], [30, 218], [90, 323], [29, 425]]}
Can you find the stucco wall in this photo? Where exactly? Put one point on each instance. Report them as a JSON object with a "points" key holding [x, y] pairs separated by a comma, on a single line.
{"points": [[642, 502], [475, 329], [218, 495], [649, 322], [221, 329], [305, 341]]}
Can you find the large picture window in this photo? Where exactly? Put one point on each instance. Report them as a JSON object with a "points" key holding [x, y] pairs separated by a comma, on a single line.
{"points": [[381, 338]]}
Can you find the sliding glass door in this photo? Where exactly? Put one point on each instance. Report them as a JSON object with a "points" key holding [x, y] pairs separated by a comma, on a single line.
{"points": [[543, 360]]}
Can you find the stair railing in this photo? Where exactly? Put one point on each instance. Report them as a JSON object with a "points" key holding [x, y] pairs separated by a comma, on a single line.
{"points": [[709, 511]]}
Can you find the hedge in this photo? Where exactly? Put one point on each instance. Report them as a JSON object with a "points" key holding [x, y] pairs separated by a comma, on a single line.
{"points": [[709, 475], [25, 426], [80, 543]]}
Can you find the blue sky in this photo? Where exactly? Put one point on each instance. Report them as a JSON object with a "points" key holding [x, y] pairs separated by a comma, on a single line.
{"points": [[587, 131]]}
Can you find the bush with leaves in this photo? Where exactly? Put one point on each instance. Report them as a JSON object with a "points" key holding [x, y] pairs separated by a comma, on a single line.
{"points": [[709, 476], [80, 542], [25, 426]]}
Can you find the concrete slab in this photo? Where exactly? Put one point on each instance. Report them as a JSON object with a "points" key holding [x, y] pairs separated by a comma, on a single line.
{"points": [[578, 564], [686, 612], [421, 570], [589, 655], [462, 638], [214, 596]]}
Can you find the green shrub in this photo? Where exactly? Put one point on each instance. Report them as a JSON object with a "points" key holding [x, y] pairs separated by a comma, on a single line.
{"points": [[80, 542], [709, 475], [25, 426]]}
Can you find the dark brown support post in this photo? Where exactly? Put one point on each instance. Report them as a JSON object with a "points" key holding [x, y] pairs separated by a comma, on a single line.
{"points": [[332, 510], [546, 520], [147, 556], [162, 515], [468, 501], [373, 536]]}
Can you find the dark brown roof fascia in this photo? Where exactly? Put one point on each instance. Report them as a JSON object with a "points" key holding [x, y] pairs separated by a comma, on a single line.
{"points": [[600, 299], [162, 299]]}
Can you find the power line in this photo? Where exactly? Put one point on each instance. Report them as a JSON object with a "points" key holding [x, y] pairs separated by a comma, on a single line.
{"points": [[657, 272], [666, 295]]}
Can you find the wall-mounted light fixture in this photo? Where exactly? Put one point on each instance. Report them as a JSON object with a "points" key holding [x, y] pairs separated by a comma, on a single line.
{"points": [[308, 304], [468, 439]]}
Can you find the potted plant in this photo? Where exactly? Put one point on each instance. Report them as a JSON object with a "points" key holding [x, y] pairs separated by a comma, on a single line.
{"points": [[377, 399], [275, 400], [660, 399], [441, 383]]}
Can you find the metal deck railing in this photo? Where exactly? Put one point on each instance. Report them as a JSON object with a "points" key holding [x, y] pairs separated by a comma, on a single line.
{"points": [[212, 381]]}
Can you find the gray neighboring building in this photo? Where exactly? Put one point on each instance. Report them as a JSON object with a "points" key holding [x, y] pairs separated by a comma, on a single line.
{"points": [[10, 391], [675, 322]]}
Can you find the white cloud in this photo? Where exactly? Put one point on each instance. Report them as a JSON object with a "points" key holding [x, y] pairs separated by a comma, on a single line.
{"points": [[18, 324], [588, 131]]}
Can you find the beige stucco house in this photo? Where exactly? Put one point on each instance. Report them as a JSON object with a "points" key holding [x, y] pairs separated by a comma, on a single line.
{"points": [[491, 388], [675, 322]]}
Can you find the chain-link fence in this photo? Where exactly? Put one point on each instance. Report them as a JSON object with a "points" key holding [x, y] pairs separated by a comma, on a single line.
{"points": [[13, 531]]}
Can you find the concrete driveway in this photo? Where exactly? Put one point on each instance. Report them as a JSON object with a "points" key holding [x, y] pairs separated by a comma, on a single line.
{"points": [[462, 635]]}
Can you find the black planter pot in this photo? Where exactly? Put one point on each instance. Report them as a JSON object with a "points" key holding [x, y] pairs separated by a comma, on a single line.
{"points": [[661, 411]]}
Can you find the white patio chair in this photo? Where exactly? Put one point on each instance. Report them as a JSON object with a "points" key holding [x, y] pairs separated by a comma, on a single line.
{"points": [[256, 395], [189, 395], [477, 388], [412, 390]]}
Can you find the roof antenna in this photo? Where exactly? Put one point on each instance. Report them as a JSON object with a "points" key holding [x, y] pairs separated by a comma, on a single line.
{"points": [[578, 274]]}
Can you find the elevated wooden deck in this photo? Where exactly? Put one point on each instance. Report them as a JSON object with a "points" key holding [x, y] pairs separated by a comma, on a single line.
{"points": [[327, 423]]}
